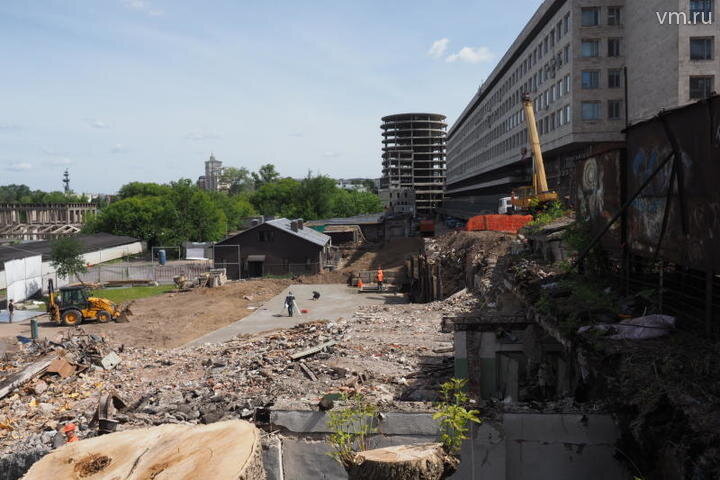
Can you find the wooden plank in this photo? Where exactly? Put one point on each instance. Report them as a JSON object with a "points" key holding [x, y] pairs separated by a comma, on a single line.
{"points": [[308, 372], [18, 379], [312, 350]]}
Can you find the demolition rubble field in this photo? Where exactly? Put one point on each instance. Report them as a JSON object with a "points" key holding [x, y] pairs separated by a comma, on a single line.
{"points": [[371, 352]]}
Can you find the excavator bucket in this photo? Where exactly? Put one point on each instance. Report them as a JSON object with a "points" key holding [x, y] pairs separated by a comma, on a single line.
{"points": [[125, 312]]}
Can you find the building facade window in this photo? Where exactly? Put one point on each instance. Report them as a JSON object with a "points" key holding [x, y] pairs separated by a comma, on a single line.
{"points": [[590, 48], [590, 110], [590, 79], [566, 23], [590, 16], [614, 78], [566, 114], [614, 109], [614, 16], [701, 48], [614, 47], [701, 87], [704, 7]]}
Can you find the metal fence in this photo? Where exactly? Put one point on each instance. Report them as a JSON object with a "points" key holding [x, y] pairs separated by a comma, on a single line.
{"points": [[159, 273]]}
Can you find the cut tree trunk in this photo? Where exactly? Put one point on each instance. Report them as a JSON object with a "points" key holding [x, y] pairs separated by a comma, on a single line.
{"points": [[425, 461], [221, 451]]}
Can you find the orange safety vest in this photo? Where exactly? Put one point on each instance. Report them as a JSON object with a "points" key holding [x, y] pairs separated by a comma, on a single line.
{"points": [[380, 276]]}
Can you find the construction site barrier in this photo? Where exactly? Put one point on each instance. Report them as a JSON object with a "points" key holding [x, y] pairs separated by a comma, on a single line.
{"points": [[498, 223]]}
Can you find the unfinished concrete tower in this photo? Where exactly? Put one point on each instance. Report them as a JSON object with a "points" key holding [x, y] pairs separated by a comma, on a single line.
{"points": [[414, 157]]}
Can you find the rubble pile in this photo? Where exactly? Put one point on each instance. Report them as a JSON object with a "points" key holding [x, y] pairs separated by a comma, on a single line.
{"points": [[464, 256], [370, 353]]}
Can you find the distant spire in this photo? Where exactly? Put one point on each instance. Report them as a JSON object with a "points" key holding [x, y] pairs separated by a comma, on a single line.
{"points": [[66, 181]]}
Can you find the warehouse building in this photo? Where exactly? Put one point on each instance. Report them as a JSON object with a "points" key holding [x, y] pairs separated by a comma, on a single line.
{"points": [[274, 247]]}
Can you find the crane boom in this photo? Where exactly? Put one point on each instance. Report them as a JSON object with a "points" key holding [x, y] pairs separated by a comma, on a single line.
{"points": [[539, 178], [526, 197]]}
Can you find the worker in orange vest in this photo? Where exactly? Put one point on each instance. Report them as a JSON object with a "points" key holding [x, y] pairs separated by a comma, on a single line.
{"points": [[380, 277]]}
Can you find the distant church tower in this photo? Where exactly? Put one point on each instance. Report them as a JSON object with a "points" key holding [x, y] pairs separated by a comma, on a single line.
{"points": [[66, 182]]}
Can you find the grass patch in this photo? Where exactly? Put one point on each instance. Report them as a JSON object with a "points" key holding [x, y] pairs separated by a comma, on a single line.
{"points": [[547, 215], [120, 295]]}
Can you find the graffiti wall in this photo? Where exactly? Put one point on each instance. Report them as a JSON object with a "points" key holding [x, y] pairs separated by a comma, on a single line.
{"points": [[688, 189], [597, 195], [691, 194]]}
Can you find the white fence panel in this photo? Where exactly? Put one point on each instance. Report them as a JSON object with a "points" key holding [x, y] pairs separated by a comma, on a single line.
{"points": [[23, 277]]}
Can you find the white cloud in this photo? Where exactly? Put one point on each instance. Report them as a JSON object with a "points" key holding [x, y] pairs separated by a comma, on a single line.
{"points": [[201, 135], [19, 166], [142, 6], [295, 134], [331, 154], [438, 48], [471, 55], [95, 123], [118, 148]]}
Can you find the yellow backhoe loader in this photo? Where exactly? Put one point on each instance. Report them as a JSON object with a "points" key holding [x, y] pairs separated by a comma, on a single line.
{"points": [[537, 194], [73, 305]]}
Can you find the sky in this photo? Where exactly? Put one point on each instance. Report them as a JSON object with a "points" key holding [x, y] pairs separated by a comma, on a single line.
{"points": [[144, 90]]}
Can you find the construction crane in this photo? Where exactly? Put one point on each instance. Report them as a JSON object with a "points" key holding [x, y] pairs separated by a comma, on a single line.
{"points": [[537, 194]]}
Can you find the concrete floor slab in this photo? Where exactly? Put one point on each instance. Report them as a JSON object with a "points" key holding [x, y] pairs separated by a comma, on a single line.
{"points": [[336, 301]]}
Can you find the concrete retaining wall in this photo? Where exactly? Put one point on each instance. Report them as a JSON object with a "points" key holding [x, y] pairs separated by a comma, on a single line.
{"points": [[516, 447]]}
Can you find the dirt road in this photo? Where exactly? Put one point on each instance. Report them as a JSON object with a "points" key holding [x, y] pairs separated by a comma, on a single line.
{"points": [[173, 319]]}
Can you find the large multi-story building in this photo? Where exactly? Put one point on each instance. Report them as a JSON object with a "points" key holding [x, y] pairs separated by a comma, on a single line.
{"points": [[212, 180], [573, 58], [414, 157]]}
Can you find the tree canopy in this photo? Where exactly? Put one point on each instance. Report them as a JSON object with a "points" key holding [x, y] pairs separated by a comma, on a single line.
{"points": [[23, 194], [180, 211], [66, 257]]}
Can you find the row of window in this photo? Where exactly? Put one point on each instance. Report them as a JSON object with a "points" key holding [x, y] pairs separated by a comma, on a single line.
{"points": [[590, 16], [590, 79], [590, 47], [591, 110], [554, 120]]}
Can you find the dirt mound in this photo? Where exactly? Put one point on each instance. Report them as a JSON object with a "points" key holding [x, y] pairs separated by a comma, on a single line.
{"points": [[390, 255]]}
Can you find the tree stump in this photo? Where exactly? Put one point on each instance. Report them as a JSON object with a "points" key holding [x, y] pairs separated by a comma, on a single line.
{"points": [[425, 461], [221, 451]]}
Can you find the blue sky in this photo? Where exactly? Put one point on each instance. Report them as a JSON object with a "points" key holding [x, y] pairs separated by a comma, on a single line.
{"points": [[122, 90]]}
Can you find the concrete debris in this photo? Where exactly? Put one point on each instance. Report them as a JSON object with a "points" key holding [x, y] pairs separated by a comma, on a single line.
{"points": [[370, 352]]}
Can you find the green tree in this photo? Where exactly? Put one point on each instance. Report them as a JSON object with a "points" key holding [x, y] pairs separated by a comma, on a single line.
{"points": [[153, 219], [265, 174], [14, 193], [239, 179], [134, 189], [365, 202], [277, 198], [235, 207], [66, 258], [200, 218], [314, 197]]}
